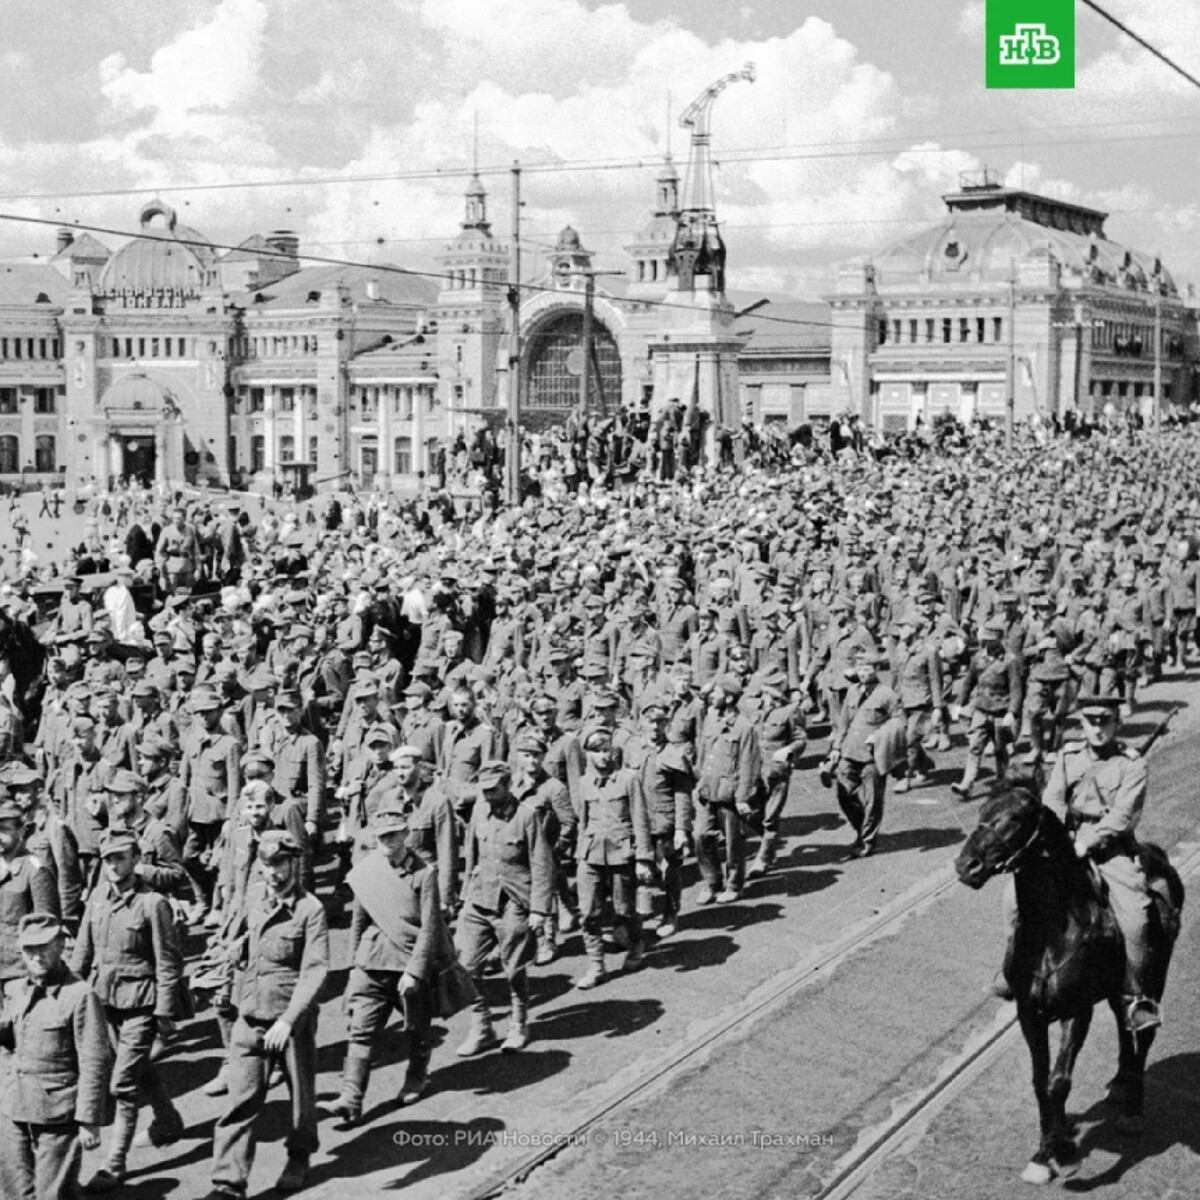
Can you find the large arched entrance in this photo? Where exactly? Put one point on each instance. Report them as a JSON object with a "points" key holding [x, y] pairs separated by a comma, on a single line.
{"points": [[554, 364]]}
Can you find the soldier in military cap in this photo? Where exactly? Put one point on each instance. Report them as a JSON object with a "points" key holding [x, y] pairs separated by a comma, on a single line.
{"points": [[160, 858], [991, 691], [508, 891], [48, 839], [729, 783], [56, 1099], [275, 991], [398, 944], [26, 886], [129, 952], [299, 776], [1097, 788], [420, 725], [782, 740], [210, 773], [615, 852]]}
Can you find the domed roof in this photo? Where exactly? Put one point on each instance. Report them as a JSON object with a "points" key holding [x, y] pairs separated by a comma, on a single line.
{"points": [[568, 239], [984, 243], [172, 258]]}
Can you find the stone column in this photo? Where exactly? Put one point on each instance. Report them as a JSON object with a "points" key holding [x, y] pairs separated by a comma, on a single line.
{"points": [[383, 473], [269, 433], [160, 452], [116, 455], [419, 458]]}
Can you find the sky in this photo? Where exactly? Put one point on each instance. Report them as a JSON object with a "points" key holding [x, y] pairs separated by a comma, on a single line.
{"points": [[254, 115]]}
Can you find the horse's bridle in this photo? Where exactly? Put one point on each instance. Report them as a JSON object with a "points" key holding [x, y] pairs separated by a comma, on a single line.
{"points": [[1013, 860]]}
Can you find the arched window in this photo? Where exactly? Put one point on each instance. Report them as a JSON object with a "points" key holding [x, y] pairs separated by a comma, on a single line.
{"points": [[404, 463], [10, 454], [45, 457]]}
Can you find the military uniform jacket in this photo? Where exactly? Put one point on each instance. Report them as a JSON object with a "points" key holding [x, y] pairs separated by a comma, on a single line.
{"points": [[917, 675], [729, 760], [287, 960], [1100, 796], [780, 727], [417, 942], [128, 950], [300, 772], [211, 773], [667, 780], [508, 855], [614, 825], [863, 716], [73, 785], [55, 847], [993, 684], [25, 886], [62, 1058]]}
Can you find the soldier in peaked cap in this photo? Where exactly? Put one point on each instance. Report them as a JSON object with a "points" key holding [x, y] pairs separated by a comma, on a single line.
{"points": [[129, 952], [782, 740], [399, 942], [61, 1061], [276, 993], [160, 862]]}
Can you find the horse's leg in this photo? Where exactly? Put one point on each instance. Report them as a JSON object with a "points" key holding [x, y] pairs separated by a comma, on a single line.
{"points": [[1074, 1034], [1037, 1038]]}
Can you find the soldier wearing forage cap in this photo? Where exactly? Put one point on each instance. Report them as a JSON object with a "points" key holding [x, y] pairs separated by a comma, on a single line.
{"points": [[129, 952], [508, 891], [275, 992], [615, 852], [299, 776], [211, 776], [866, 744], [398, 944], [56, 1098], [49, 839], [729, 770], [993, 690], [782, 740], [917, 678], [160, 862]]}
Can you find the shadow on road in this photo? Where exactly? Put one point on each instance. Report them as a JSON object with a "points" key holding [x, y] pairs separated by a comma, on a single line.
{"points": [[1172, 1119], [593, 1018]]}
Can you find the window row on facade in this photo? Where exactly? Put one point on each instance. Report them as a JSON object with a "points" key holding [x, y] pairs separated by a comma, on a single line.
{"points": [[148, 347], [282, 345], [1133, 339], [36, 349], [45, 401], [286, 448], [944, 331], [45, 454]]}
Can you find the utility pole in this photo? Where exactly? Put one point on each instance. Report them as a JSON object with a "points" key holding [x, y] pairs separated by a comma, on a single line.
{"points": [[513, 464], [1157, 358], [585, 375], [1010, 400]]}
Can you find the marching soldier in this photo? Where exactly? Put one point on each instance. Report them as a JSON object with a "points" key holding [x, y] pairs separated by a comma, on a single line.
{"points": [[276, 989], [917, 678], [57, 1094], [129, 952], [782, 740], [615, 853], [25, 887], [508, 892], [398, 943], [992, 687]]}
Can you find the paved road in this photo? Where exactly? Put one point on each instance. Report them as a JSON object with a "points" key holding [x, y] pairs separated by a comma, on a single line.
{"points": [[814, 1070]]}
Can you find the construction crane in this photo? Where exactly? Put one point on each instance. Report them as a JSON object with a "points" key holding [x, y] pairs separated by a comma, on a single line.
{"points": [[697, 248]]}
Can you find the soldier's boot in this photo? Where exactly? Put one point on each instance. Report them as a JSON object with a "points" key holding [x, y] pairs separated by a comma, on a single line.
{"points": [[595, 973], [547, 949], [1037, 742], [518, 1025], [1141, 1011], [963, 787], [356, 1072], [166, 1125], [764, 860], [111, 1176], [219, 1084], [416, 1076], [481, 1037]]}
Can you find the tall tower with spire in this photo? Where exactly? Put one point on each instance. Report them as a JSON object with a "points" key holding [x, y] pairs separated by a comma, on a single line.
{"points": [[470, 308], [651, 248]]}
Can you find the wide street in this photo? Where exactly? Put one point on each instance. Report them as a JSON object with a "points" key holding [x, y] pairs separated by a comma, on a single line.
{"points": [[759, 1046]]}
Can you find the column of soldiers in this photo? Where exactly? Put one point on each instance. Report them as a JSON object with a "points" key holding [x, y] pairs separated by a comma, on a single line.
{"points": [[483, 747]]}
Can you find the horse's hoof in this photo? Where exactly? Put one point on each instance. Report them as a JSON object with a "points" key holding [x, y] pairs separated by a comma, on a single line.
{"points": [[1131, 1124], [1038, 1173]]}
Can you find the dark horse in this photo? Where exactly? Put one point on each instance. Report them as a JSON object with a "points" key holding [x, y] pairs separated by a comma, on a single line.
{"points": [[1067, 955]]}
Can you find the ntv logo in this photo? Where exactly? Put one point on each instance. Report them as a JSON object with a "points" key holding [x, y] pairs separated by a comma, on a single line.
{"points": [[1029, 45]]}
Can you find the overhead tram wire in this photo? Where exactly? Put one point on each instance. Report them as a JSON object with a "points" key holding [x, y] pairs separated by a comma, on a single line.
{"points": [[329, 261], [1141, 41], [801, 152]]}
